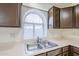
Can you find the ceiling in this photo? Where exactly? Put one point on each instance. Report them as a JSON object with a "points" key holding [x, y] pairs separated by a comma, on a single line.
{"points": [[47, 6]]}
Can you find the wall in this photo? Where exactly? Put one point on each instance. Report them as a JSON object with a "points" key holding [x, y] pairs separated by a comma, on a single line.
{"points": [[42, 6], [9, 41], [47, 6], [63, 33], [9, 34]]}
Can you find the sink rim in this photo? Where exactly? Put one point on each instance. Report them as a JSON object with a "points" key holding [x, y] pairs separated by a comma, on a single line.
{"points": [[50, 45]]}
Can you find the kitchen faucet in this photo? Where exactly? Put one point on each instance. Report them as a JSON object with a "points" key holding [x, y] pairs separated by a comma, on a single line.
{"points": [[38, 40]]}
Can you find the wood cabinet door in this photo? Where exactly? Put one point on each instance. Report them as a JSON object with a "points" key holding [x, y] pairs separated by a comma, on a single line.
{"points": [[60, 54], [75, 50], [74, 54], [77, 15], [66, 48], [55, 52], [66, 17], [65, 53], [56, 17], [50, 18], [42, 54], [9, 14]]}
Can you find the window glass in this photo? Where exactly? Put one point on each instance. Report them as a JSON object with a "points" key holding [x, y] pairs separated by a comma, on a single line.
{"points": [[33, 18], [28, 31], [34, 26], [38, 31]]}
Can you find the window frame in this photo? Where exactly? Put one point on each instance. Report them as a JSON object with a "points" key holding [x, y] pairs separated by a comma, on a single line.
{"points": [[42, 24]]}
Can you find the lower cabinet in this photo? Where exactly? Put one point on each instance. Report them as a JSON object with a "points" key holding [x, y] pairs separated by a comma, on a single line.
{"points": [[74, 54], [63, 51], [59, 54], [66, 48], [55, 52], [66, 53], [42, 54], [75, 51]]}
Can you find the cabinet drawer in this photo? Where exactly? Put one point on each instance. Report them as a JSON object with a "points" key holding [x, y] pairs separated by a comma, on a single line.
{"points": [[65, 48], [54, 52], [42, 54]]}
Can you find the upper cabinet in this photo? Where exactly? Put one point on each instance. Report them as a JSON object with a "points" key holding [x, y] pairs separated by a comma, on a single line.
{"points": [[10, 14], [77, 15], [67, 17], [54, 17]]}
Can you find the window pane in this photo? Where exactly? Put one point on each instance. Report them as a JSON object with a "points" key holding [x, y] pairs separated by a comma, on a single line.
{"points": [[38, 31], [50, 22], [33, 18], [28, 31], [33, 26]]}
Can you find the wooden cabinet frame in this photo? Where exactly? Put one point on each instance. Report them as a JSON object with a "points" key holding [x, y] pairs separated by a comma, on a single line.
{"points": [[69, 52], [72, 21], [10, 14]]}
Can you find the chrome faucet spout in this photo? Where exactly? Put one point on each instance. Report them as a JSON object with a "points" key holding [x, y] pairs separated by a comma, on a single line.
{"points": [[38, 40]]}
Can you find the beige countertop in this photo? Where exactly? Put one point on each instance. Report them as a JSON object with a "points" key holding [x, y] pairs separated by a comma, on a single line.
{"points": [[18, 48], [61, 43]]}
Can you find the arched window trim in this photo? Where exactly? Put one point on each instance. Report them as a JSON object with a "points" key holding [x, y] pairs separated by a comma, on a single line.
{"points": [[37, 13], [34, 13]]}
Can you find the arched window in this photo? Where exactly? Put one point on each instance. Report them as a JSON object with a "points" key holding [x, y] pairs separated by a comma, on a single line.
{"points": [[33, 25]]}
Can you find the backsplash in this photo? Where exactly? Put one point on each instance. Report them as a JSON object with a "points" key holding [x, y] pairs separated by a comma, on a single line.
{"points": [[9, 34], [63, 33], [15, 34]]}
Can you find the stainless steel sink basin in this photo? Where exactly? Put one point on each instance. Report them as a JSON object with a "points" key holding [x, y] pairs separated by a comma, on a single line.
{"points": [[41, 45], [50, 45], [33, 47]]}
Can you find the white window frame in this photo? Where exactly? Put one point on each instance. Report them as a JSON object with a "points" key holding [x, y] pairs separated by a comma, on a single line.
{"points": [[38, 13]]}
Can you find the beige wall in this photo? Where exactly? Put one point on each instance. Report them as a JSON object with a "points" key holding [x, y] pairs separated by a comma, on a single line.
{"points": [[47, 6], [63, 33], [8, 34]]}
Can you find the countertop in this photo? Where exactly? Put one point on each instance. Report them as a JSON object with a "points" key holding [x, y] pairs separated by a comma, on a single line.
{"points": [[18, 48], [74, 41]]}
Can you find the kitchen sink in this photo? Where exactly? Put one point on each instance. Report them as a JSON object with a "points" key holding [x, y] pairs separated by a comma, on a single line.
{"points": [[42, 45], [50, 45]]}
